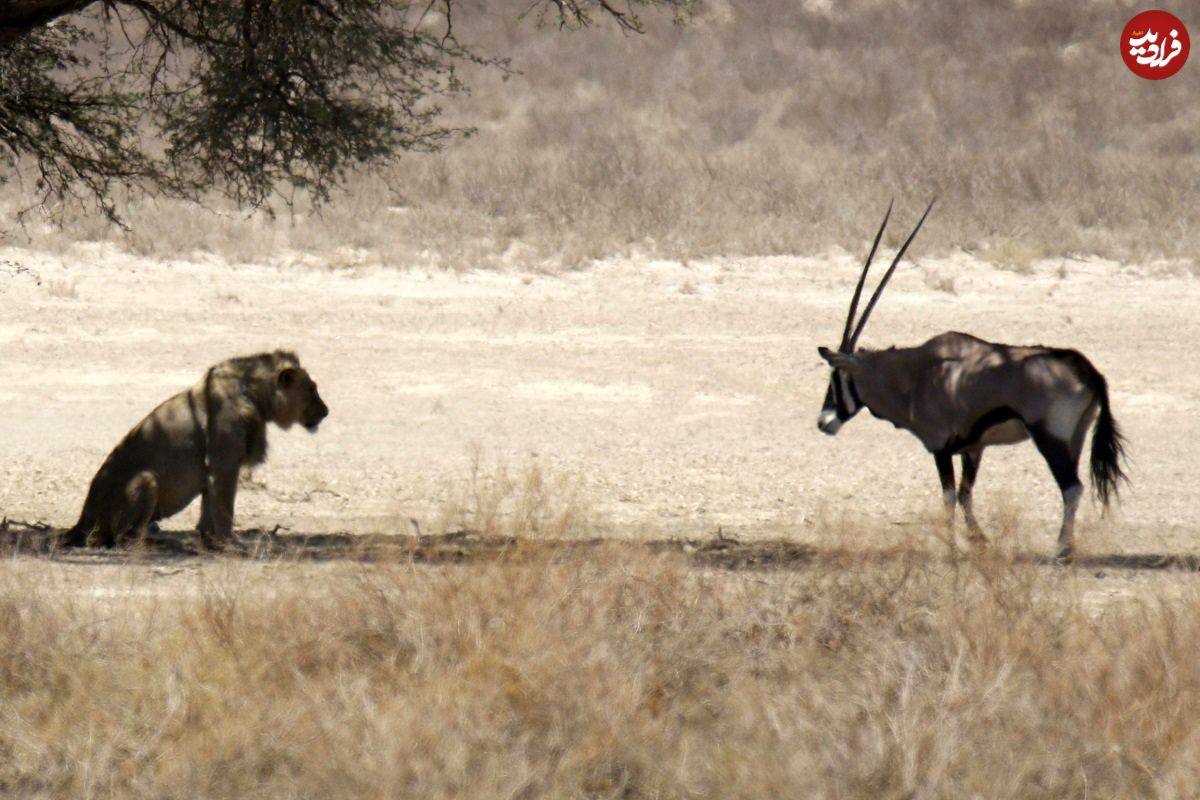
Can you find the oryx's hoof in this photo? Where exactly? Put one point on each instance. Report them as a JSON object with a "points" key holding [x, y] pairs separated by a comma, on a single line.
{"points": [[1065, 555]]}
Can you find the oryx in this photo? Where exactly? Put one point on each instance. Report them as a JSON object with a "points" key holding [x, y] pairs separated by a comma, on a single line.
{"points": [[958, 394]]}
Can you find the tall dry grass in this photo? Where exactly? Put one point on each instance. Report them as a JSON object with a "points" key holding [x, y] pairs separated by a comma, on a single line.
{"points": [[518, 501], [762, 127], [609, 674]]}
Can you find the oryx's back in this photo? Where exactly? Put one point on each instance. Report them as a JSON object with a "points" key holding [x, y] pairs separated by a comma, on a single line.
{"points": [[1043, 385]]}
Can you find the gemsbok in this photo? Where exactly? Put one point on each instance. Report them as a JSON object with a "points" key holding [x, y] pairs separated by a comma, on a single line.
{"points": [[959, 394]]}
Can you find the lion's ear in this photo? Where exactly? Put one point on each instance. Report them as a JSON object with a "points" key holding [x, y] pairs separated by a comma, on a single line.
{"points": [[287, 377]]}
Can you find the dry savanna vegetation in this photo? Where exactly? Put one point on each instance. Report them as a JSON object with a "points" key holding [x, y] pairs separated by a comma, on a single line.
{"points": [[434, 626], [618, 674], [529, 659]]}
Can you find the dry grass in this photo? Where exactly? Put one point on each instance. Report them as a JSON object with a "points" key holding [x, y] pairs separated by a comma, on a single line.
{"points": [[522, 502], [608, 673], [760, 128]]}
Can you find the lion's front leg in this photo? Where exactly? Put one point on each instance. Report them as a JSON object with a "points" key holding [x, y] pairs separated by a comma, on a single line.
{"points": [[216, 508], [204, 524]]}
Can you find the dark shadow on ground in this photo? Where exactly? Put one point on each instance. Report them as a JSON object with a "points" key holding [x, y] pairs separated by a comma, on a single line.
{"points": [[465, 547], [17, 538], [1136, 561]]}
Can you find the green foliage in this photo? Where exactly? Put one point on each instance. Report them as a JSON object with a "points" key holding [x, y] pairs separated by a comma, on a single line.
{"points": [[252, 97]]}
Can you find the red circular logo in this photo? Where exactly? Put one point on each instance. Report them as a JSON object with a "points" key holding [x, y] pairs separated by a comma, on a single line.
{"points": [[1155, 45]]}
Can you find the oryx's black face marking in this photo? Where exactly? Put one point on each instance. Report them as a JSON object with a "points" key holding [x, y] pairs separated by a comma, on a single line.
{"points": [[841, 403]]}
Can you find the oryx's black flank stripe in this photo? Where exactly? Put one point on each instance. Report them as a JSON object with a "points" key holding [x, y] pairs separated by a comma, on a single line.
{"points": [[981, 426]]}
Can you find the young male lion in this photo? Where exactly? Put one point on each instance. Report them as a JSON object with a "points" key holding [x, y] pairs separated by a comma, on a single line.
{"points": [[195, 444]]}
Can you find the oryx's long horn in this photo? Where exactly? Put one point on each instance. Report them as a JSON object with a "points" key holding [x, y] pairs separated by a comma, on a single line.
{"points": [[879, 289], [863, 279]]}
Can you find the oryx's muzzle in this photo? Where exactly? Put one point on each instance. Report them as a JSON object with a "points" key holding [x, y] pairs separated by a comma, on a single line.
{"points": [[828, 421]]}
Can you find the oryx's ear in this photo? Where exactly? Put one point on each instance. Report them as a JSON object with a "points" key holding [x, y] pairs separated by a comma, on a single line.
{"points": [[846, 361], [287, 377]]}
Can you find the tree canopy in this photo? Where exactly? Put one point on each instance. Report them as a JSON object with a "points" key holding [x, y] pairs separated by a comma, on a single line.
{"points": [[245, 96]]}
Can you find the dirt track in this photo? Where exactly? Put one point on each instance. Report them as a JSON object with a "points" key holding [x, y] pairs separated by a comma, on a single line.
{"points": [[678, 399]]}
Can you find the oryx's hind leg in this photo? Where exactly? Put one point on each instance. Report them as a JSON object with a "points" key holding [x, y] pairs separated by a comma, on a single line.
{"points": [[970, 468], [1063, 460]]}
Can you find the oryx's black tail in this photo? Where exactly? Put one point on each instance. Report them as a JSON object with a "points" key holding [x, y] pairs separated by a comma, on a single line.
{"points": [[1108, 445]]}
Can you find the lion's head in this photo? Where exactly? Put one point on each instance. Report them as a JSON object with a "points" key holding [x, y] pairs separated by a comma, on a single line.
{"points": [[296, 399]]}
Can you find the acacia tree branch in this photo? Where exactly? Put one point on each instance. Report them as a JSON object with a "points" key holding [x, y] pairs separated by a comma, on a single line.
{"points": [[248, 95], [19, 17], [581, 13], [168, 20]]}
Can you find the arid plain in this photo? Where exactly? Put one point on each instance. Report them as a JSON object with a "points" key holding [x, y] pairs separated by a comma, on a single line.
{"points": [[662, 399], [633, 402], [587, 335]]}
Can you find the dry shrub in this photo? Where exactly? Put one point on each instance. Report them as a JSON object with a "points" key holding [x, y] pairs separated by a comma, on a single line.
{"points": [[608, 673], [524, 503]]}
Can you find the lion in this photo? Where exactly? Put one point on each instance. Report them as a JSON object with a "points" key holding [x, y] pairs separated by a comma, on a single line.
{"points": [[195, 444]]}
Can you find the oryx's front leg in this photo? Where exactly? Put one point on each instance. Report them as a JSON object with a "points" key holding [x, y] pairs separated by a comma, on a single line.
{"points": [[945, 468], [970, 465]]}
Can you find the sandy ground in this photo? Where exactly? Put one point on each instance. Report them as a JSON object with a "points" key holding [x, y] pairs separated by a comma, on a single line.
{"points": [[677, 398]]}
